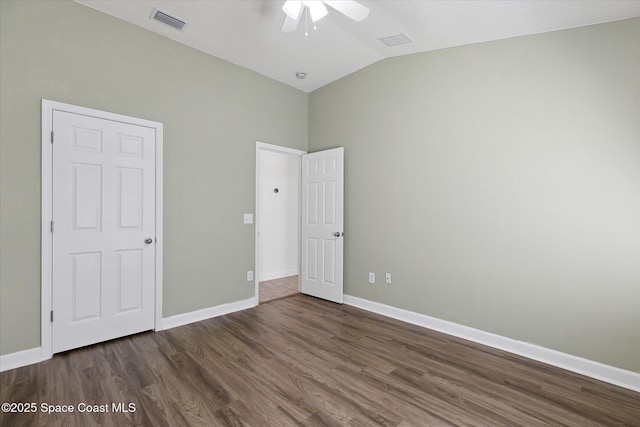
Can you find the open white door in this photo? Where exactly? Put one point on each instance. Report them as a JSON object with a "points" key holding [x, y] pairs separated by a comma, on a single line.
{"points": [[322, 228]]}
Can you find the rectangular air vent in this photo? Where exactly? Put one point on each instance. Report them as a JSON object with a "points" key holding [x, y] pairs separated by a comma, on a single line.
{"points": [[396, 40], [165, 18]]}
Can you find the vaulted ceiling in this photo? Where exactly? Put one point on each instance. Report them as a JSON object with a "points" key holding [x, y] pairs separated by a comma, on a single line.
{"points": [[247, 33]]}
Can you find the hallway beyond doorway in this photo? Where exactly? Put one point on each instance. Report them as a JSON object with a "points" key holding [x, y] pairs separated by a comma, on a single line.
{"points": [[271, 290]]}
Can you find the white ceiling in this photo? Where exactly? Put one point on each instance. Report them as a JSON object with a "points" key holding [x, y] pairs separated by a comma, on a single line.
{"points": [[247, 32]]}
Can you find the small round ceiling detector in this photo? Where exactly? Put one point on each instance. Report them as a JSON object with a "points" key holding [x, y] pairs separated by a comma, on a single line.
{"points": [[300, 75]]}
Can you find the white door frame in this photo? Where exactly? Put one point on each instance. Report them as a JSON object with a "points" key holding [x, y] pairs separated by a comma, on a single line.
{"points": [[261, 146], [48, 107]]}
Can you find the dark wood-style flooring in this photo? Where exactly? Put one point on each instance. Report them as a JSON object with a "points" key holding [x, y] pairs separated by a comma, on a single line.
{"points": [[303, 361], [271, 290]]}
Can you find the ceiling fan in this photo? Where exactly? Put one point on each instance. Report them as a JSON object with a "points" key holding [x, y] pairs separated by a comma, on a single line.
{"points": [[316, 10]]}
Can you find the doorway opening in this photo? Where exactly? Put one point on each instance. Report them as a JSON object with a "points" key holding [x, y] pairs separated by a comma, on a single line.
{"points": [[277, 225], [313, 224]]}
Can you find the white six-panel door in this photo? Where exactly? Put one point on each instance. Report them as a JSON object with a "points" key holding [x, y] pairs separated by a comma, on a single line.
{"points": [[103, 211], [323, 224]]}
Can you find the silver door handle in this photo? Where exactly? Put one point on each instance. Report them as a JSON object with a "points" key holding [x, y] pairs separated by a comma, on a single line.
{"points": [[148, 240], [338, 234]]}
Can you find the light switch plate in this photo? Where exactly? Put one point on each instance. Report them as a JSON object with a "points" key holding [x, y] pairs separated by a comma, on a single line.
{"points": [[248, 218]]}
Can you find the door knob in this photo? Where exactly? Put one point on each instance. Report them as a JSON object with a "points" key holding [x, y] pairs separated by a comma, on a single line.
{"points": [[338, 234], [148, 240]]}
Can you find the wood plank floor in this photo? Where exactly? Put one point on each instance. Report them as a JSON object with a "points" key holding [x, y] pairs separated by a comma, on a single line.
{"points": [[278, 288], [303, 361]]}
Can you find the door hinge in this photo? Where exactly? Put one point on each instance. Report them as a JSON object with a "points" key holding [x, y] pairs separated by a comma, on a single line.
{"points": [[51, 316], [52, 226], [52, 137]]}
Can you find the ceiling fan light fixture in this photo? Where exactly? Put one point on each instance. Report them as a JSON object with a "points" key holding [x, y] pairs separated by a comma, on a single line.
{"points": [[317, 10], [292, 8]]}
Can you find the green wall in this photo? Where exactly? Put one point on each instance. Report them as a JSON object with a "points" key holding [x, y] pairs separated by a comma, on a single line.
{"points": [[213, 113], [500, 184]]}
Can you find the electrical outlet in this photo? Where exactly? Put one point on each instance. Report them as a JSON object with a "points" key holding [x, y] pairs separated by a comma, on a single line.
{"points": [[249, 276], [247, 218], [387, 278], [372, 277]]}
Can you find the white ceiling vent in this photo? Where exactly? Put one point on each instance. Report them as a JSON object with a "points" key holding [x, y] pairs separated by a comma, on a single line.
{"points": [[165, 18], [396, 40]]}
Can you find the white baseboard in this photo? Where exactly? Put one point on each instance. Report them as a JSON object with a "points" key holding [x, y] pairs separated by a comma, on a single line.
{"points": [[20, 358], [280, 275], [590, 368], [34, 355], [206, 313]]}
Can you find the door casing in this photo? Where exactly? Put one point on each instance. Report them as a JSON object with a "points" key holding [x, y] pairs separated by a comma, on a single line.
{"points": [[47, 203]]}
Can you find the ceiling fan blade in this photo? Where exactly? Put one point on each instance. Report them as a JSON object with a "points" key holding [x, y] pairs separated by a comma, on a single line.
{"points": [[292, 8], [349, 8], [289, 25]]}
